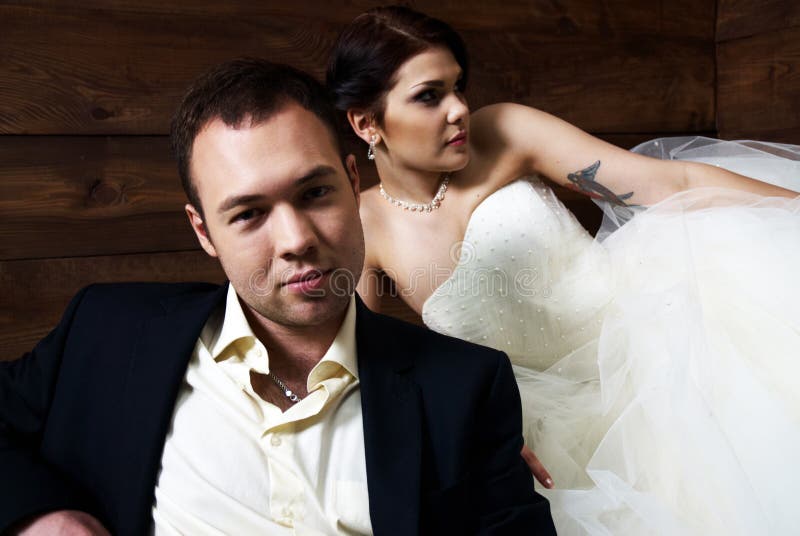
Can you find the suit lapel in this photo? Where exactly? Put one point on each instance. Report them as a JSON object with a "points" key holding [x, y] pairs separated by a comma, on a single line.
{"points": [[392, 416], [156, 372]]}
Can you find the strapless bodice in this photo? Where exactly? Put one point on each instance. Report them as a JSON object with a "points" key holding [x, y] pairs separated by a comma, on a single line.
{"points": [[529, 281]]}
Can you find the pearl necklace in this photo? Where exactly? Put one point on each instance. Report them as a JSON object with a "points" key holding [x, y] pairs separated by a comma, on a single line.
{"points": [[419, 207]]}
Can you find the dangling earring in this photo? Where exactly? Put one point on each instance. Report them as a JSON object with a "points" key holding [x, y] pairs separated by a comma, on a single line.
{"points": [[371, 150]]}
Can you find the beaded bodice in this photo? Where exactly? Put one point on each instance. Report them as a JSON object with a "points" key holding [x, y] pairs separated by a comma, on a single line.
{"points": [[530, 280]]}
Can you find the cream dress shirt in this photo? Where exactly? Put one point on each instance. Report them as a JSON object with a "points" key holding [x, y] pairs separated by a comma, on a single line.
{"points": [[235, 464]]}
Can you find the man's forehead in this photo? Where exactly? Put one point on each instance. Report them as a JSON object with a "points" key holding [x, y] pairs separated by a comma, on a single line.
{"points": [[289, 121], [275, 153]]}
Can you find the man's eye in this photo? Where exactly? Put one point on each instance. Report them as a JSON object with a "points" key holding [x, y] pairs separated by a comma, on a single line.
{"points": [[317, 192], [245, 215]]}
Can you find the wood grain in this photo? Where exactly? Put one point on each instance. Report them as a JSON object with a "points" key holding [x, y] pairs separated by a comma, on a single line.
{"points": [[78, 196], [745, 18], [678, 17], [759, 87], [634, 84], [100, 71], [619, 68], [35, 292]]}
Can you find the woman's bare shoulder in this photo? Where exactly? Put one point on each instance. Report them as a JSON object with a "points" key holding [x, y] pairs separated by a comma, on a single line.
{"points": [[505, 138], [499, 128]]}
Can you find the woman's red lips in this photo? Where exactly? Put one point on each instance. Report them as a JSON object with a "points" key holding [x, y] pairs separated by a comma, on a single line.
{"points": [[458, 139]]}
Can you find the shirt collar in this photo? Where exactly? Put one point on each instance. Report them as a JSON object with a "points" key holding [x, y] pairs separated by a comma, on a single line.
{"points": [[233, 327], [341, 352]]}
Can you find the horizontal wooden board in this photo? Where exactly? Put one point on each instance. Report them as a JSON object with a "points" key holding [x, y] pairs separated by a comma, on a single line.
{"points": [[77, 196], [616, 68], [759, 87], [568, 17], [745, 18], [69, 196], [626, 84], [35, 292], [101, 71]]}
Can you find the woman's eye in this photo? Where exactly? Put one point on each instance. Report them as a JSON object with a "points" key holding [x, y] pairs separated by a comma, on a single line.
{"points": [[316, 193], [427, 96]]}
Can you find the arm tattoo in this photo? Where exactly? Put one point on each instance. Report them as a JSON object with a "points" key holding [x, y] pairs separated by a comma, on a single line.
{"points": [[585, 182]]}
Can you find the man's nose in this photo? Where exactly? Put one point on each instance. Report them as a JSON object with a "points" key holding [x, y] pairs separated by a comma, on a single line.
{"points": [[294, 232]]}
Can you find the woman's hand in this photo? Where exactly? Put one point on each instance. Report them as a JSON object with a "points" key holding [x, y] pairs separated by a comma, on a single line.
{"points": [[538, 470]]}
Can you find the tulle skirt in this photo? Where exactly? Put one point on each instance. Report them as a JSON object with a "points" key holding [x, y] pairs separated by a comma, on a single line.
{"points": [[683, 416]]}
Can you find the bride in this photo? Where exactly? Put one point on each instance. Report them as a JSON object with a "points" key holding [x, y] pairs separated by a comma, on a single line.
{"points": [[657, 364]]}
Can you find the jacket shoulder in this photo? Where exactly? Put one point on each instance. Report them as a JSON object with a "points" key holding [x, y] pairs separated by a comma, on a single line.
{"points": [[431, 350], [143, 294]]}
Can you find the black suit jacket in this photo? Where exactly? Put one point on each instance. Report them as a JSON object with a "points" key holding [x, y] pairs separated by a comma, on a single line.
{"points": [[84, 417]]}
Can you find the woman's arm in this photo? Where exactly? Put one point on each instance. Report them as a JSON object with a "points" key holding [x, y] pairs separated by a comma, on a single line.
{"points": [[536, 141]]}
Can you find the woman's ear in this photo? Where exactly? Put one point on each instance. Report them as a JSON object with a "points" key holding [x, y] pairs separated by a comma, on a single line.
{"points": [[363, 125]]}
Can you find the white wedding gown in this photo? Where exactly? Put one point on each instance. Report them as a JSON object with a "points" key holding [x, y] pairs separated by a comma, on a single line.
{"points": [[659, 367]]}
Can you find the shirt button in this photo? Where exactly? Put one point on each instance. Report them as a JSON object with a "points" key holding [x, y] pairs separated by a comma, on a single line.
{"points": [[258, 352], [275, 441]]}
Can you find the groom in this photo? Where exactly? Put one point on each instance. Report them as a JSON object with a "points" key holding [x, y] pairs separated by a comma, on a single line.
{"points": [[276, 403]]}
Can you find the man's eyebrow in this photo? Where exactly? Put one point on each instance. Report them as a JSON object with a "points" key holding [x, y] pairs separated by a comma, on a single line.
{"points": [[236, 200], [319, 171]]}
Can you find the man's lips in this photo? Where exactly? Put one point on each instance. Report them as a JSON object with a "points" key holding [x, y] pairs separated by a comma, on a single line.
{"points": [[307, 280]]}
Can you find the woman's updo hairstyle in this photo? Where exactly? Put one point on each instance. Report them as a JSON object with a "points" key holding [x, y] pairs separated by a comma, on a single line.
{"points": [[371, 49]]}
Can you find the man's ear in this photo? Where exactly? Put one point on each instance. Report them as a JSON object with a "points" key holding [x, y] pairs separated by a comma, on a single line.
{"points": [[363, 125], [352, 174], [199, 227]]}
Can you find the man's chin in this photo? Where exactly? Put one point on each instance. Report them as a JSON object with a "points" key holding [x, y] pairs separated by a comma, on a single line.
{"points": [[311, 311]]}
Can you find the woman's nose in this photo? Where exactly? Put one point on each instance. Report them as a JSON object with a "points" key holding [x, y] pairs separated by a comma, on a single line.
{"points": [[458, 109]]}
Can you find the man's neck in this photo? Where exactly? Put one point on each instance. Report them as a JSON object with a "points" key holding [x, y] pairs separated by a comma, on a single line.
{"points": [[293, 353], [295, 350]]}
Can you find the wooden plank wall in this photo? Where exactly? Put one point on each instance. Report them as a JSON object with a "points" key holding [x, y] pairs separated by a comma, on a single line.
{"points": [[758, 69], [88, 190]]}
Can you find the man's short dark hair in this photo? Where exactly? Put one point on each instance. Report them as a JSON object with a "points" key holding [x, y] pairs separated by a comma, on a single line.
{"points": [[245, 89]]}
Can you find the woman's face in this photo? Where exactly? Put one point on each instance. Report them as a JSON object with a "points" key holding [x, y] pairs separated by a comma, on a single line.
{"points": [[426, 118]]}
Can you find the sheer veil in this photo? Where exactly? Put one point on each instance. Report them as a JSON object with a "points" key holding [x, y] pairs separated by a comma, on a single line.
{"points": [[775, 163]]}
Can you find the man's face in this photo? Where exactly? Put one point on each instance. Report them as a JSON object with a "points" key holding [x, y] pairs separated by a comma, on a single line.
{"points": [[281, 214]]}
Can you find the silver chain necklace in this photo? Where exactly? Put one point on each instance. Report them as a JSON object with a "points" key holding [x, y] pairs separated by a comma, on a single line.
{"points": [[286, 391], [419, 207]]}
